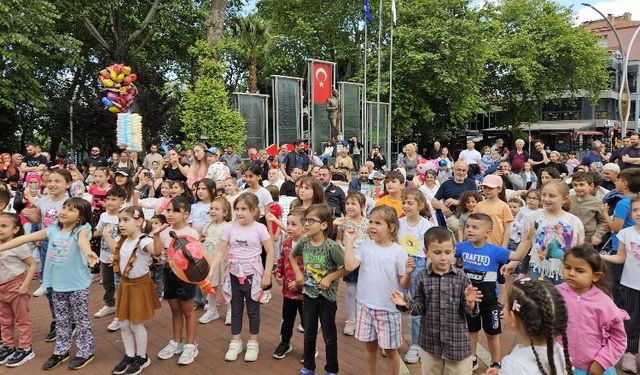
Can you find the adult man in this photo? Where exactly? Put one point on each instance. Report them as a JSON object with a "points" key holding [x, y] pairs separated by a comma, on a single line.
{"points": [[232, 160], [34, 161], [297, 158], [609, 174], [470, 155], [448, 194], [511, 181], [631, 154], [377, 158], [539, 157], [616, 155], [362, 182], [356, 150], [152, 156], [333, 195], [94, 159], [435, 153], [518, 157], [593, 156], [288, 187]]}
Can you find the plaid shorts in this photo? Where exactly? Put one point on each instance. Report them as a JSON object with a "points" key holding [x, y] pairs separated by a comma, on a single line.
{"points": [[384, 326]]}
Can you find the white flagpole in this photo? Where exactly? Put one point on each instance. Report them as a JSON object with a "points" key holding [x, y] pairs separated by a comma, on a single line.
{"points": [[390, 90], [379, 69], [366, 115]]}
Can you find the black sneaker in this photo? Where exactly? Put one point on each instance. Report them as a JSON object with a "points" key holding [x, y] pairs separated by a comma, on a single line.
{"points": [[54, 361], [138, 365], [5, 353], [495, 365], [51, 336], [122, 366], [282, 350], [475, 363], [20, 356], [79, 362]]}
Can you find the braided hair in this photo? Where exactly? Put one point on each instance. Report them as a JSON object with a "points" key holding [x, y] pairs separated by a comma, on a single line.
{"points": [[543, 313]]}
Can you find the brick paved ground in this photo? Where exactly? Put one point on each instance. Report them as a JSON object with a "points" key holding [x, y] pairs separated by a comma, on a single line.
{"points": [[213, 340]]}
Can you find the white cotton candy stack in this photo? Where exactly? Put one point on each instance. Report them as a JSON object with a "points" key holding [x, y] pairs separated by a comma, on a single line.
{"points": [[129, 131]]}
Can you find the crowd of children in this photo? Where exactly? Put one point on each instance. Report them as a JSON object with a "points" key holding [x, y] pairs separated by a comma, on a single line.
{"points": [[526, 259]]}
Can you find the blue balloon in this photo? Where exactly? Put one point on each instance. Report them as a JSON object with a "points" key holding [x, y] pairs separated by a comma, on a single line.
{"points": [[107, 102]]}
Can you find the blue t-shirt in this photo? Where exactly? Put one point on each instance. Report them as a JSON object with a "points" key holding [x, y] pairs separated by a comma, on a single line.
{"points": [[622, 211], [66, 267], [482, 266]]}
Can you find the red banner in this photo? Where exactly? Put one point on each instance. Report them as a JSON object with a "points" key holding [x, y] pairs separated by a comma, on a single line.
{"points": [[322, 81]]}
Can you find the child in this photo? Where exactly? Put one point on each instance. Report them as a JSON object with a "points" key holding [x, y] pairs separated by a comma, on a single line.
{"points": [[355, 205], [481, 262], [291, 293], [438, 353], [548, 174], [157, 265], [115, 199], [17, 268], [165, 197], [497, 209], [68, 254], [98, 191], [529, 177], [231, 189], [309, 191], [486, 160], [122, 179], [468, 202], [596, 330], [322, 259], [393, 184], [220, 213], [241, 244], [178, 293], [136, 295], [533, 203], [275, 209], [538, 313], [204, 192], [627, 254], [587, 207], [515, 228], [548, 233], [384, 266], [413, 226]]}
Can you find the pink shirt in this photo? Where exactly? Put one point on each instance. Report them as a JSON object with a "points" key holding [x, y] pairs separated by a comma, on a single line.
{"points": [[595, 329]]}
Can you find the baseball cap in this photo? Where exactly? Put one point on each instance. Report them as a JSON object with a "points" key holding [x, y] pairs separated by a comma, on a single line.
{"points": [[492, 181], [123, 172], [211, 150], [376, 175]]}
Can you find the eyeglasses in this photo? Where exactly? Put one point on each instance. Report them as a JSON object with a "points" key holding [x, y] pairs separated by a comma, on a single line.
{"points": [[310, 220]]}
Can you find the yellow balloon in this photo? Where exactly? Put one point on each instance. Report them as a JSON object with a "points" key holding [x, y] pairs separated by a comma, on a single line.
{"points": [[107, 83], [119, 78], [114, 109], [127, 69], [113, 75]]}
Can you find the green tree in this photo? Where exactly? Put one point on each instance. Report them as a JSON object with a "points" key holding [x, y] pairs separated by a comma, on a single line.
{"points": [[253, 34], [206, 109], [537, 55]]}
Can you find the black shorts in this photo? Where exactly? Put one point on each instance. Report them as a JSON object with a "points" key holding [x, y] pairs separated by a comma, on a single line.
{"points": [[174, 288], [488, 320]]}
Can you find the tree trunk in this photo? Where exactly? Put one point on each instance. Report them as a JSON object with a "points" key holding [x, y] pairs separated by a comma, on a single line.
{"points": [[253, 80], [215, 23]]}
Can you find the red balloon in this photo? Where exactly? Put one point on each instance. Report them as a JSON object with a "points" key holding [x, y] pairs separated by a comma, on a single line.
{"points": [[105, 74]]}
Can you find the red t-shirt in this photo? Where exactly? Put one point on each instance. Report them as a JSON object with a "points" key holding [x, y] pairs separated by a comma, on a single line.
{"points": [[99, 196], [276, 211]]}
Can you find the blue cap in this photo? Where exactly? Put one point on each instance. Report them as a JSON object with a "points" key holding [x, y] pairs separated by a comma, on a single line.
{"points": [[211, 150]]}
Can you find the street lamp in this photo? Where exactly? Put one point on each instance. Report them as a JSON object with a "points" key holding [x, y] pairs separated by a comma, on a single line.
{"points": [[623, 97]]}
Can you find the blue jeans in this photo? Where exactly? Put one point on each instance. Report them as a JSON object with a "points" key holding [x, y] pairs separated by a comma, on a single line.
{"points": [[43, 256], [421, 264]]}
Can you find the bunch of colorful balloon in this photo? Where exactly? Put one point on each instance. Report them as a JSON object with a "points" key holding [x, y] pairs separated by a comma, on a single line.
{"points": [[117, 82], [129, 131]]}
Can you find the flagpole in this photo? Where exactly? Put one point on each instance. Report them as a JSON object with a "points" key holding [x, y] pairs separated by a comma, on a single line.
{"points": [[366, 47], [390, 90], [379, 70]]}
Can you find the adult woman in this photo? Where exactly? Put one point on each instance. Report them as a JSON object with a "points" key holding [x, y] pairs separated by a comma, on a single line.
{"points": [[444, 165], [124, 161], [135, 163], [344, 163], [198, 168], [410, 160], [9, 173], [518, 157], [172, 169]]}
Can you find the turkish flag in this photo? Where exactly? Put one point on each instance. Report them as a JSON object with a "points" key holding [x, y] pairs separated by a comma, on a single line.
{"points": [[322, 81]]}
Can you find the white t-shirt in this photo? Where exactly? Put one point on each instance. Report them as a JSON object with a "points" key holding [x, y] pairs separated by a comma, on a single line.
{"points": [[631, 239], [199, 216], [106, 256], [143, 258], [264, 198], [412, 238], [50, 210], [521, 360], [379, 270], [12, 263], [470, 156]]}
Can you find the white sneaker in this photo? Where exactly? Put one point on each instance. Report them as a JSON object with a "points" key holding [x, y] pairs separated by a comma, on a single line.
{"points": [[41, 291], [629, 363], [300, 328], [114, 325], [209, 316], [104, 311], [235, 348], [227, 318], [189, 353], [413, 355], [252, 351], [302, 359], [170, 350], [266, 297], [350, 329]]}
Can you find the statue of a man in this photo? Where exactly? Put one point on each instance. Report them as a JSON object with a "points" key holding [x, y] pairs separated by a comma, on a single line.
{"points": [[333, 112]]}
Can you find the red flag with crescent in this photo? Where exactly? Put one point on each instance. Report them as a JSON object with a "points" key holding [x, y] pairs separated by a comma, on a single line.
{"points": [[322, 81]]}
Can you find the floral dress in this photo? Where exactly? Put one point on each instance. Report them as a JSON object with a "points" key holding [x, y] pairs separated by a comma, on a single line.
{"points": [[213, 233]]}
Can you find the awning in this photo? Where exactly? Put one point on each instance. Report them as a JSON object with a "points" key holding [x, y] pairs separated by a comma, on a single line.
{"points": [[561, 125]]}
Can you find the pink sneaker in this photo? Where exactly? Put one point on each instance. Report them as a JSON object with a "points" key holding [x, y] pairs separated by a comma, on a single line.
{"points": [[349, 328]]}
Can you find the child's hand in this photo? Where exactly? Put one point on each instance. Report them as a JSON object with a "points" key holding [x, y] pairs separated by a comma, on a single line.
{"points": [[270, 217], [92, 259], [278, 278], [397, 298], [110, 259], [605, 209], [108, 229], [491, 371], [24, 288], [266, 281], [349, 235], [472, 294], [159, 229], [339, 221], [595, 369], [293, 286], [595, 241], [324, 284], [411, 265]]}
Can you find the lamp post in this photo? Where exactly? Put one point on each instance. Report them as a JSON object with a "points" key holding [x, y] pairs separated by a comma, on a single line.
{"points": [[623, 98]]}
